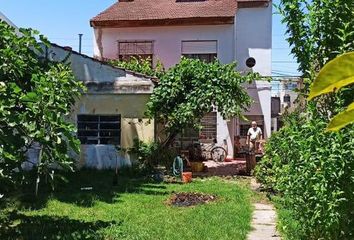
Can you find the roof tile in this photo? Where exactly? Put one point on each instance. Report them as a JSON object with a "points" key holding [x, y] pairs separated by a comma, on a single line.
{"points": [[152, 10]]}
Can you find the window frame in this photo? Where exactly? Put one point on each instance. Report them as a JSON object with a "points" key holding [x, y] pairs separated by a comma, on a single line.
{"points": [[102, 122], [121, 57], [199, 55]]}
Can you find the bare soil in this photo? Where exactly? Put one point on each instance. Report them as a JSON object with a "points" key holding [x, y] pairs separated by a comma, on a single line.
{"points": [[190, 199]]}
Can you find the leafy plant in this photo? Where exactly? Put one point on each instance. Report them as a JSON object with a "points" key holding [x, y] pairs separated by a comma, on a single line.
{"points": [[313, 171], [192, 88], [140, 65], [152, 154], [335, 75], [34, 106], [313, 35]]}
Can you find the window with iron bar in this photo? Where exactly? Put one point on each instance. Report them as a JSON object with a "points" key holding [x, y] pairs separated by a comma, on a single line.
{"points": [[99, 129]]}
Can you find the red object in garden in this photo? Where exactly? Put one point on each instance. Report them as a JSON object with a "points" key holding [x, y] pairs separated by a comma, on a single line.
{"points": [[187, 177]]}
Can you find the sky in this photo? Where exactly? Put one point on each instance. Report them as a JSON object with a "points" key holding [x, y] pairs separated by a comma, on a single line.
{"points": [[62, 21]]}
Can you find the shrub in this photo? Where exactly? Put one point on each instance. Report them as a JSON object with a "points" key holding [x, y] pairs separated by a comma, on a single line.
{"points": [[314, 172], [152, 154]]}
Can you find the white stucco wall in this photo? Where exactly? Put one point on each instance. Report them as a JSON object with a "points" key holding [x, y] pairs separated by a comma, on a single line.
{"points": [[168, 40], [253, 37]]}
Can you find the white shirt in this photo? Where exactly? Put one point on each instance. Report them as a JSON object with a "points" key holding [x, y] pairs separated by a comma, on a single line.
{"points": [[254, 134]]}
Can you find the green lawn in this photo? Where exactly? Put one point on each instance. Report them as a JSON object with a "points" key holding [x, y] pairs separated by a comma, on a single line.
{"points": [[135, 209]]}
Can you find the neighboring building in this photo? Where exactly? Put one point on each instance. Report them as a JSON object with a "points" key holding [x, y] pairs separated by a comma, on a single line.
{"points": [[8, 21], [111, 113], [230, 30], [284, 98]]}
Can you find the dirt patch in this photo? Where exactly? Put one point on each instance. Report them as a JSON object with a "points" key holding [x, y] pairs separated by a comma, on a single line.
{"points": [[190, 199]]}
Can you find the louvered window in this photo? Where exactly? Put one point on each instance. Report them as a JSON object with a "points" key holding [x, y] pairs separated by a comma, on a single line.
{"points": [[99, 129], [209, 126]]}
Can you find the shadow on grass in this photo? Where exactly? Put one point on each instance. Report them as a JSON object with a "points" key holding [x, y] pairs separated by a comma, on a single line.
{"points": [[86, 187], [19, 226]]}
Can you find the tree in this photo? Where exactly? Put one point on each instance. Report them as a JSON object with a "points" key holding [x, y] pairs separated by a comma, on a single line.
{"points": [[318, 30], [335, 75], [190, 90], [36, 97]]}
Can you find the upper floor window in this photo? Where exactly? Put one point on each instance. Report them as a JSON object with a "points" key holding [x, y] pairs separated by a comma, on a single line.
{"points": [[203, 50], [137, 49]]}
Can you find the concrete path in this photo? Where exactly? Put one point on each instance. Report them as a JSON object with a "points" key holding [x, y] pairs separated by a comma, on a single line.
{"points": [[263, 221]]}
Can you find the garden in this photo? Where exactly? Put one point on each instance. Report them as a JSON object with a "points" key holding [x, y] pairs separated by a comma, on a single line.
{"points": [[90, 207], [55, 200], [307, 170]]}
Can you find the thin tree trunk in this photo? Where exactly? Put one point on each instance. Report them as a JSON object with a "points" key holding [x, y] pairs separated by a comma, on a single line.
{"points": [[38, 172], [170, 139]]}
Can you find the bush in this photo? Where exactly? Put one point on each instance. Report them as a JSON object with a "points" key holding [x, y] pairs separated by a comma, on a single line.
{"points": [[152, 154], [314, 172]]}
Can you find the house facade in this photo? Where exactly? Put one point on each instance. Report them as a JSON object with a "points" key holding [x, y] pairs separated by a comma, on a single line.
{"points": [[165, 30]]}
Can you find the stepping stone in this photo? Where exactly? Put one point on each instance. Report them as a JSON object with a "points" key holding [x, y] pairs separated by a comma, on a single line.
{"points": [[264, 223]]}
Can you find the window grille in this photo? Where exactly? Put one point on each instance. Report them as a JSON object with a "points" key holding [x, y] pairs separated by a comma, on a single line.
{"points": [[99, 129], [209, 126]]}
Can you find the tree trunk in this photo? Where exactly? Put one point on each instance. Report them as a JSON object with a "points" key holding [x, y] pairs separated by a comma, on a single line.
{"points": [[170, 139]]}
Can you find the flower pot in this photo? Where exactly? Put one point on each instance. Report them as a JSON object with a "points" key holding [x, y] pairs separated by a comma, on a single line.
{"points": [[197, 166], [187, 177]]}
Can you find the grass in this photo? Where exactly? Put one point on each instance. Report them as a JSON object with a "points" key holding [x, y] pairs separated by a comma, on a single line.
{"points": [[289, 227], [134, 209]]}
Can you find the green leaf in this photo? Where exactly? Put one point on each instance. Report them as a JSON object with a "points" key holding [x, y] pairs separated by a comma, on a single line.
{"points": [[30, 97], [334, 75], [342, 119]]}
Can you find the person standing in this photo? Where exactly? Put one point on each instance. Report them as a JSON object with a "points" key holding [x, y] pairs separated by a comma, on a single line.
{"points": [[254, 134]]}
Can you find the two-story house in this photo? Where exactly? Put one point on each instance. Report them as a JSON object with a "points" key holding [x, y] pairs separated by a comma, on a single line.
{"points": [[231, 30]]}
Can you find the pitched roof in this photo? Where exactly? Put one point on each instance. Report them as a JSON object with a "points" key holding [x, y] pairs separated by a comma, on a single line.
{"points": [[129, 13]]}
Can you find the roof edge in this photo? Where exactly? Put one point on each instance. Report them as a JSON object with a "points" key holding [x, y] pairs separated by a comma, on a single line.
{"points": [[163, 22], [103, 62]]}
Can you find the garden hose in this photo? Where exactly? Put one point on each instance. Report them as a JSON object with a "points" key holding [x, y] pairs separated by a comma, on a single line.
{"points": [[177, 167]]}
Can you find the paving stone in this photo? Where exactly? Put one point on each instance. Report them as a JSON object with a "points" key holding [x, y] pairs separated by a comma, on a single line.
{"points": [[264, 223], [264, 217], [260, 206]]}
